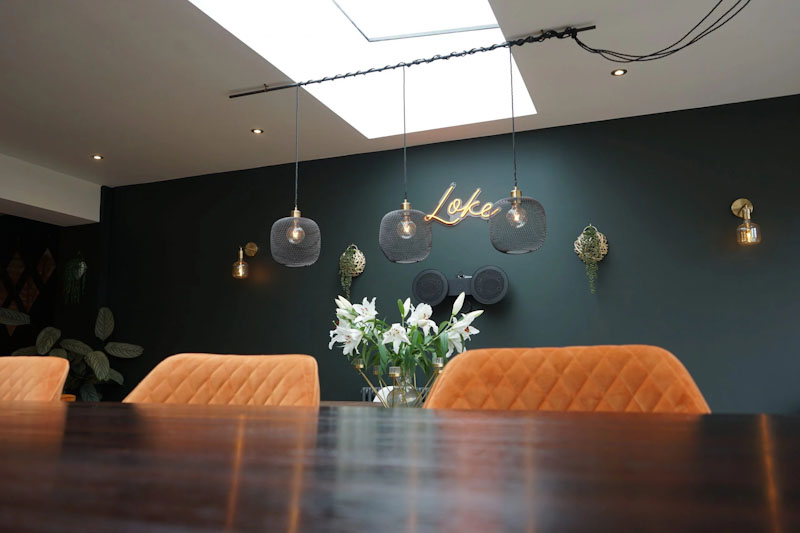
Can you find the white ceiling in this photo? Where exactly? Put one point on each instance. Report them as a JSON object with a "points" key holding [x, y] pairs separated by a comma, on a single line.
{"points": [[145, 82]]}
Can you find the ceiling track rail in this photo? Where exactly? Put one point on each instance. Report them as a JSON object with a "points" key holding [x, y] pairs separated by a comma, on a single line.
{"points": [[566, 33]]}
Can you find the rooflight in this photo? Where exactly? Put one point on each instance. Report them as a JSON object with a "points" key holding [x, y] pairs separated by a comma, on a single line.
{"points": [[379, 21], [312, 38]]}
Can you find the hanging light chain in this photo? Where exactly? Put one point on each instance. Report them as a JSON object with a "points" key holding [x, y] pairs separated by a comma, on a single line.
{"points": [[296, 143], [513, 127], [405, 167]]}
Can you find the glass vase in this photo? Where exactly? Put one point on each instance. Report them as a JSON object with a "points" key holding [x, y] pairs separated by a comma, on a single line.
{"points": [[404, 393]]}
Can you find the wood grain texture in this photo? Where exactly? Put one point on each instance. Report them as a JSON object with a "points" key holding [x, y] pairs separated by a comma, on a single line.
{"points": [[114, 467]]}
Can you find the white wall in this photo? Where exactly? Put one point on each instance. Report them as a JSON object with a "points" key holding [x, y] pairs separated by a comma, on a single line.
{"points": [[38, 193]]}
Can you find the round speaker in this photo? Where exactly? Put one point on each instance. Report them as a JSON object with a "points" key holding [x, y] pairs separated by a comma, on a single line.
{"points": [[489, 285], [430, 287]]}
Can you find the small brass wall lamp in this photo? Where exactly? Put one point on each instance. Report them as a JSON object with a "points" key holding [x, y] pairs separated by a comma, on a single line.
{"points": [[748, 233], [240, 267]]}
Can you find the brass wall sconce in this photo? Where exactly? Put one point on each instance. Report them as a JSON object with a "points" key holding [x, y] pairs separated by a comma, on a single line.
{"points": [[240, 267], [748, 233]]}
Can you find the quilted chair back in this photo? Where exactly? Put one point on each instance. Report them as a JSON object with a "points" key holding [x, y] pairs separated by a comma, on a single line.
{"points": [[632, 378], [197, 378], [35, 379]]}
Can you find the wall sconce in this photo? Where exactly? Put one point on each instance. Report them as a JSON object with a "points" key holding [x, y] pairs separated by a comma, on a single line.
{"points": [[240, 267], [748, 233]]}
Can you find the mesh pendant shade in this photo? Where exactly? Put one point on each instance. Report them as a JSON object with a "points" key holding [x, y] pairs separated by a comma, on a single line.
{"points": [[412, 249], [304, 251], [510, 233]]}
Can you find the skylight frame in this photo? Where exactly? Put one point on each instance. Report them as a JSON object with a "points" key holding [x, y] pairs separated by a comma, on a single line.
{"points": [[445, 94]]}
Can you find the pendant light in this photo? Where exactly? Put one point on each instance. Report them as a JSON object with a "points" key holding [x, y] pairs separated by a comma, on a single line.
{"points": [[520, 225], [405, 236], [295, 240]]}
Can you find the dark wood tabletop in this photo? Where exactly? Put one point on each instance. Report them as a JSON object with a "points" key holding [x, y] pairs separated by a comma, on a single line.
{"points": [[120, 467]]}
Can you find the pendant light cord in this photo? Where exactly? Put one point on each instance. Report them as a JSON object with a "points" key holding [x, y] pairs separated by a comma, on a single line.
{"points": [[405, 167], [513, 127], [296, 142]]}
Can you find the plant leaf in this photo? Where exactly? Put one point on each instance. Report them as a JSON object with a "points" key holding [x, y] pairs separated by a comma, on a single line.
{"points": [[11, 317], [28, 350], [115, 376], [76, 346], [443, 342], [46, 339], [59, 352], [89, 393], [98, 362], [383, 352], [124, 350], [104, 325]]}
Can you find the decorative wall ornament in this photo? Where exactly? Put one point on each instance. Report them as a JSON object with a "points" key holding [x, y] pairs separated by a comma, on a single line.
{"points": [[457, 210], [523, 229], [591, 247], [352, 263], [75, 279]]}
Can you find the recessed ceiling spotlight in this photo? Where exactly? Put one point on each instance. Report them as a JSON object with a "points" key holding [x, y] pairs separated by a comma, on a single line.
{"points": [[619, 72], [97, 157], [257, 131]]}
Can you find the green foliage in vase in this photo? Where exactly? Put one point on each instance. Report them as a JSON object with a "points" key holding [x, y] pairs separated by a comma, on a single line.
{"points": [[88, 366], [415, 342]]}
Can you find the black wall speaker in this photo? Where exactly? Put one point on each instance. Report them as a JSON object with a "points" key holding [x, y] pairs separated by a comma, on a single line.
{"points": [[488, 285], [430, 287]]}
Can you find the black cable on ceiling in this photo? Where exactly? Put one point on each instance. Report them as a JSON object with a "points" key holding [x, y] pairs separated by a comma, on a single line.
{"points": [[680, 44]]}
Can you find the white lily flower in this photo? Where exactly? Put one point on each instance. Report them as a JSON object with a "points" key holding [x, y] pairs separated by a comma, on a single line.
{"points": [[458, 304], [454, 342], [397, 336], [407, 307], [349, 337], [461, 331], [365, 310], [343, 303], [420, 317]]}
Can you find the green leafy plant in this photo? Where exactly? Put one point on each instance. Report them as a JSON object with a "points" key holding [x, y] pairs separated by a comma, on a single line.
{"points": [[9, 317], [88, 366], [351, 264]]}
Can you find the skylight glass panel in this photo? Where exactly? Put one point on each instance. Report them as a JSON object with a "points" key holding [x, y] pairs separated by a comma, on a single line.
{"points": [[309, 39], [385, 20]]}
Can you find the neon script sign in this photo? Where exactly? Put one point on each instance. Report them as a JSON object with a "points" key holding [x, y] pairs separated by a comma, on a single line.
{"points": [[458, 210]]}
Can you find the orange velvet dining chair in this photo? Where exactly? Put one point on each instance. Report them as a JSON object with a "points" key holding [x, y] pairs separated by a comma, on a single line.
{"points": [[34, 378], [200, 378], [628, 378]]}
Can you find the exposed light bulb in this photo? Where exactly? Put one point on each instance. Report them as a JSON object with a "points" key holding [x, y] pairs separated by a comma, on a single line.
{"points": [[406, 228], [517, 216], [295, 234], [240, 267], [748, 233]]}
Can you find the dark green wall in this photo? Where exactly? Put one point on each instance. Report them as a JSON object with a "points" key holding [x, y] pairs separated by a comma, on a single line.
{"points": [[658, 186]]}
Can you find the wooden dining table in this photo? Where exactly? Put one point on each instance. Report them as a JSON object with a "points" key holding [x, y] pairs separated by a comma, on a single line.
{"points": [[109, 467]]}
